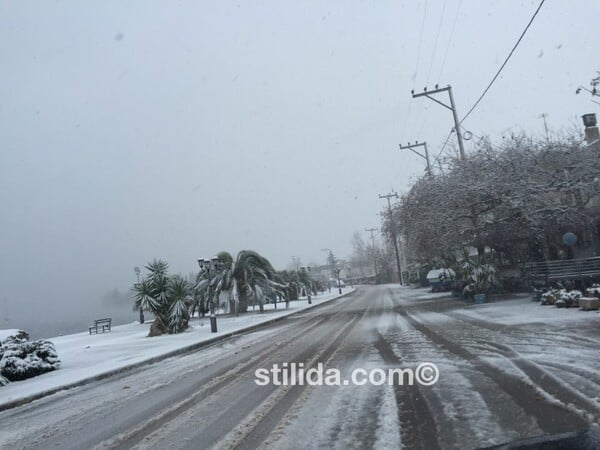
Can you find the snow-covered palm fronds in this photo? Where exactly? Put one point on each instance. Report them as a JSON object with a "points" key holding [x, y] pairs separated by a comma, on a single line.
{"points": [[165, 297], [256, 279], [178, 291], [144, 297], [212, 281]]}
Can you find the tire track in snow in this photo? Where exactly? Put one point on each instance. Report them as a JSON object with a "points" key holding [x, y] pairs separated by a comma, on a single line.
{"points": [[416, 421], [542, 378], [551, 418]]}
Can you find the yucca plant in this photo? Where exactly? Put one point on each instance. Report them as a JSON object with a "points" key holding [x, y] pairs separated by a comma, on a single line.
{"points": [[165, 297]]}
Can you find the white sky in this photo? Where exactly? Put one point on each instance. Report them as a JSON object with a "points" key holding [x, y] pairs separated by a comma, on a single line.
{"points": [[134, 130]]}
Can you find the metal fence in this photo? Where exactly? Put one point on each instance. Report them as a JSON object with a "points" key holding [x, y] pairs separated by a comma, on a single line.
{"points": [[563, 269]]}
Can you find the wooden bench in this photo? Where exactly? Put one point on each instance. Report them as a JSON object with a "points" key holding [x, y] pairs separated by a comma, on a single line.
{"points": [[103, 324]]}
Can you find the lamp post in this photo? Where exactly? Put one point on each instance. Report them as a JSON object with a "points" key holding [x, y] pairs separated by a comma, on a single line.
{"points": [[211, 268], [137, 273]]}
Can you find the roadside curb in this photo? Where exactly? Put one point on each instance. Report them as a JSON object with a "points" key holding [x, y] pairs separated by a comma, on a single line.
{"points": [[187, 349]]}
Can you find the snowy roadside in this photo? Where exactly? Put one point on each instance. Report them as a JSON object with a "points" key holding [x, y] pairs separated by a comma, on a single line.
{"points": [[86, 358]]}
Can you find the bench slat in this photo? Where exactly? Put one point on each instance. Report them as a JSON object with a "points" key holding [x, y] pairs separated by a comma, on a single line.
{"points": [[104, 323]]}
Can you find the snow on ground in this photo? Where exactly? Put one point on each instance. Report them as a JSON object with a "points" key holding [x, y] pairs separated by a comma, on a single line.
{"points": [[544, 346], [84, 356], [520, 311]]}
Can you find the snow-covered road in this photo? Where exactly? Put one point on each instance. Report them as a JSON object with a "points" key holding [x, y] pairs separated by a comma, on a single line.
{"points": [[508, 370]]}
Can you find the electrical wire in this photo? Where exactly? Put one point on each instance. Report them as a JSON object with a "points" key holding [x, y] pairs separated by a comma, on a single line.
{"points": [[449, 41], [437, 38], [414, 122], [504, 63], [423, 119], [444, 145], [420, 44]]}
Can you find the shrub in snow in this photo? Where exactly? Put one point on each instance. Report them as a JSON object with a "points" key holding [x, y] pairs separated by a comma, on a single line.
{"points": [[3, 381], [549, 298], [22, 359], [165, 296], [561, 298]]}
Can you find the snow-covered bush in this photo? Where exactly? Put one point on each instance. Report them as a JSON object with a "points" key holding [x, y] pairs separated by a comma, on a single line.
{"points": [[561, 298], [21, 359], [549, 298]]}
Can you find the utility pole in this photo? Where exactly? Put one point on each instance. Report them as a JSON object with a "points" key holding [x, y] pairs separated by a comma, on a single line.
{"points": [[425, 156], [394, 237], [452, 108], [372, 230], [543, 116]]}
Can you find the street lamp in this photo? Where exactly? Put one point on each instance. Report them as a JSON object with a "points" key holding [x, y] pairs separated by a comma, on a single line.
{"points": [[137, 285], [211, 268]]}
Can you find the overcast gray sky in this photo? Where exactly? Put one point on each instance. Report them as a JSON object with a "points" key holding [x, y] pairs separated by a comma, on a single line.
{"points": [[142, 129]]}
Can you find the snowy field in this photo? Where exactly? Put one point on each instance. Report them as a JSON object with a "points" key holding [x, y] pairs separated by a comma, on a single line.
{"points": [[85, 356]]}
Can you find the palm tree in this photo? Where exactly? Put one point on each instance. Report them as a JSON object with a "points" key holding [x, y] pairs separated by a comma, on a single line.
{"points": [[251, 279], [177, 293], [163, 296], [255, 278]]}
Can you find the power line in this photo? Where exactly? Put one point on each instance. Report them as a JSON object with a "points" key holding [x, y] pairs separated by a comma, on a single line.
{"points": [[449, 40], [423, 120], [504, 63], [420, 43], [437, 37], [414, 122], [444, 145]]}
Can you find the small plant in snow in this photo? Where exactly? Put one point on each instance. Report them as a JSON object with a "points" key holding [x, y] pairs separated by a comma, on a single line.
{"points": [[21, 359], [479, 275]]}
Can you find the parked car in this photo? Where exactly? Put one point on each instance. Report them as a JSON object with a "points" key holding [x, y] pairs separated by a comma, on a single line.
{"points": [[440, 279]]}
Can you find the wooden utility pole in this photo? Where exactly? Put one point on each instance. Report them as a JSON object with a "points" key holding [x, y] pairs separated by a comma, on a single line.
{"points": [[452, 108], [425, 156], [543, 116], [394, 236], [372, 230]]}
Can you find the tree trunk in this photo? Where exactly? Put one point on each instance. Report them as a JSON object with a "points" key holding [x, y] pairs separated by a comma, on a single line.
{"points": [[157, 328], [243, 302]]}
